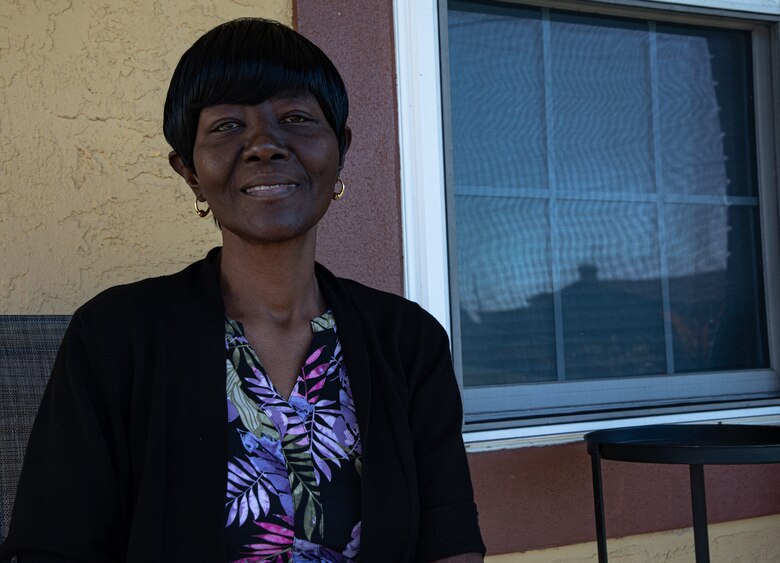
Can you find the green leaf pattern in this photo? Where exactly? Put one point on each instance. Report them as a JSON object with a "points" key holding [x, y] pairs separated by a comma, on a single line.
{"points": [[284, 451]]}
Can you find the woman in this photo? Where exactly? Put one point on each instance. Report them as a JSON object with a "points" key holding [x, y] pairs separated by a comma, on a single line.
{"points": [[252, 407]]}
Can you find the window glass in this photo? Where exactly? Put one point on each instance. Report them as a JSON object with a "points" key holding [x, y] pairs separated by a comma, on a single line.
{"points": [[506, 306], [601, 103], [705, 123], [716, 293], [604, 197], [501, 106], [610, 287]]}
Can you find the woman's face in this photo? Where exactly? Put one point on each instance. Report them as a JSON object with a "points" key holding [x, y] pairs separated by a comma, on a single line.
{"points": [[268, 170]]}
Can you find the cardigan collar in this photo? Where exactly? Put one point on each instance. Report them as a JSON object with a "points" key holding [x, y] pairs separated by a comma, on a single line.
{"points": [[351, 334], [195, 434], [348, 323]]}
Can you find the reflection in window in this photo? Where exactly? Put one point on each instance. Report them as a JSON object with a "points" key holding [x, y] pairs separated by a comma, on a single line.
{"points": [[606, 209]]}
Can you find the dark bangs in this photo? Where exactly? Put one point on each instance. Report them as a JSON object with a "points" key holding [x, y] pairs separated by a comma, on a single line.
{"points": [[247, 61]]}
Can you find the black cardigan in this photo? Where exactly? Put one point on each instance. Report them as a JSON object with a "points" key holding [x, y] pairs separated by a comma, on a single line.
{"points": [[127, 455]]}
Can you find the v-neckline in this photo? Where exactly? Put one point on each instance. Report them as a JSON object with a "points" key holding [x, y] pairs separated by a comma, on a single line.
{"points": [[319, 323]]}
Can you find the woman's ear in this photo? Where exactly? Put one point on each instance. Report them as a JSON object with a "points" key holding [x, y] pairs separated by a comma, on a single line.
{"points": [[347, 143], [184, 171]]}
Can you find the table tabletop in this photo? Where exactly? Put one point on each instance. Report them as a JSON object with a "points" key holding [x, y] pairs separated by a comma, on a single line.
{"points": [[707, 444]]}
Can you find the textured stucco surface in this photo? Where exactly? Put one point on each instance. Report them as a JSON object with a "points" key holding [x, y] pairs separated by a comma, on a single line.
{"points": [[87, 199], [742, 541]]}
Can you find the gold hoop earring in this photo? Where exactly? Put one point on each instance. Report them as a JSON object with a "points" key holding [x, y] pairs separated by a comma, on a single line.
{"points": [[339, 194], [201, 212]]}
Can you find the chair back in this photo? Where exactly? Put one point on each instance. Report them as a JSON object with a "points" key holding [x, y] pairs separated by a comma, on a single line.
{"points": [[28, 347]]}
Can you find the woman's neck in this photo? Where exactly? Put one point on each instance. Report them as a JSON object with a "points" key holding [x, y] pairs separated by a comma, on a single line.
{"points": [[272, 282]]}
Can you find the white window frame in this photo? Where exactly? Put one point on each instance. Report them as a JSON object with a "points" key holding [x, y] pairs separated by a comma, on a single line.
{"points": [[426, 266]]}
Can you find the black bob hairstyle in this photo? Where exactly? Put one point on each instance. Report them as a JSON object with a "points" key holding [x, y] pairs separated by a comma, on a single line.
{"points": [[247, 61]]}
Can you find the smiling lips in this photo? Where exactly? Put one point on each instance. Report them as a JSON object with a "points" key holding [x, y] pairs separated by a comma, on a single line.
{"points": [[268, 189]]}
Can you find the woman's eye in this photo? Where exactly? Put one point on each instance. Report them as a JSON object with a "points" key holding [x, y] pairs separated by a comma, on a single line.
{"points": [[226, 126], [294, 118]]}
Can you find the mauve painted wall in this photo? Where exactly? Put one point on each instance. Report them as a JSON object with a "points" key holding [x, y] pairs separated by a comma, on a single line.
{"points": [[537, 497], [528, 498], [360, 237]]}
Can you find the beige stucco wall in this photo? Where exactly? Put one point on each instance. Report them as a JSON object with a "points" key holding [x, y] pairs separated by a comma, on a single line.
{"points": [[744, 541], [87, 199]]}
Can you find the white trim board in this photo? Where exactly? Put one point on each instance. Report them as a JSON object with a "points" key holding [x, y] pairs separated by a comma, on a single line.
{"points": [[426, 267], [511, 438]]}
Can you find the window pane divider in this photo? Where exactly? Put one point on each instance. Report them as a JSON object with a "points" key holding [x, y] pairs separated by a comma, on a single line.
{"points": [[593, 195], [659, 200], [560, 358]]}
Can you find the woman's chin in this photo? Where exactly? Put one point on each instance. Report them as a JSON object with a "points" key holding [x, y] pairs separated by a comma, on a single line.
{"points": [[268, 234]]}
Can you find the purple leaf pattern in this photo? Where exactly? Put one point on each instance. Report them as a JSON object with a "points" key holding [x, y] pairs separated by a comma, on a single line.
{"points": [[285, 453]]}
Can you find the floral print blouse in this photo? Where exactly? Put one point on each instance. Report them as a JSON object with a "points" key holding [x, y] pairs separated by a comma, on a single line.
{"points": [[293, 488]]}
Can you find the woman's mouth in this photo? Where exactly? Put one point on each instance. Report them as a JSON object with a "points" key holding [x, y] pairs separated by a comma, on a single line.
{"points": [[268, 189]]}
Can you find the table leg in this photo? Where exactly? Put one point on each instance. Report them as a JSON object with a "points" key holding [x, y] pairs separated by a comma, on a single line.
{"points": [[699, 506], [598, 501]]}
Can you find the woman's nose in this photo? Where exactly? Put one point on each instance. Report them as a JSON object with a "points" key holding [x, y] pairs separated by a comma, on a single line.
{"points": [[264, 143]]}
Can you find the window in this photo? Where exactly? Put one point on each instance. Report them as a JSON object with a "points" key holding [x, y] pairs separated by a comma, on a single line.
{"points": [[610, 209]]}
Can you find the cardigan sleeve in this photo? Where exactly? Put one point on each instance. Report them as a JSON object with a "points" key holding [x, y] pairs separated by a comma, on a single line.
{"points": [[448, 519], [66, 505]]}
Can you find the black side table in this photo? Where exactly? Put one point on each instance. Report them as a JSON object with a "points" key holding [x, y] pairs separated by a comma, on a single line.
{"points": [[695, 445]]}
